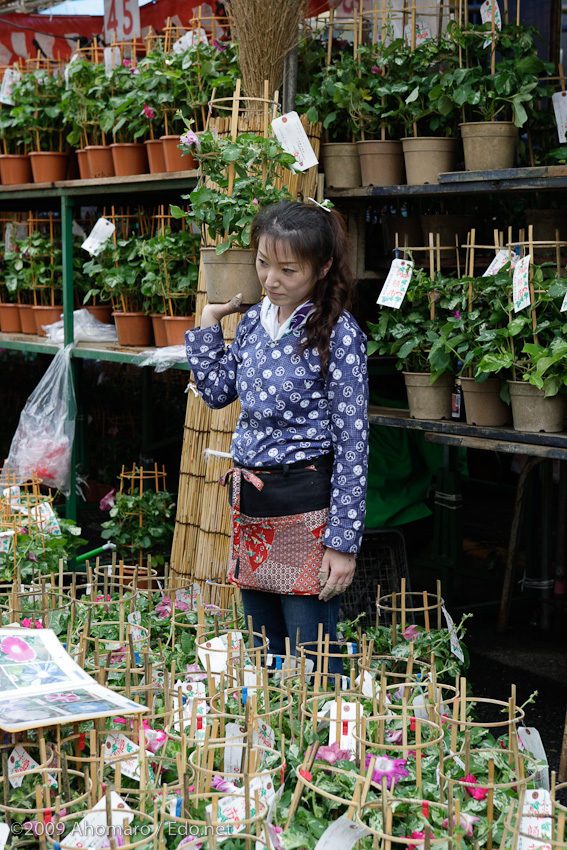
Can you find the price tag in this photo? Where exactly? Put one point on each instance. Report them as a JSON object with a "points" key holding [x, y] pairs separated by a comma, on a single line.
{"points": [[111, 59], [342, 834], [189, 40], [345, 715], [10, 78], [121, 20], [559, 101], [94, 824], [396, 284], [4, 834], [521, 284], [486, 17], [289, 132], [422, 31], [500, 260], [102, 231], [119, 745], [529, 739], [453, 639]]}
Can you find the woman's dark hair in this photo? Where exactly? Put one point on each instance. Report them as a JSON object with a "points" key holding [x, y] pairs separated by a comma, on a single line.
{"points": [[315, 236]]}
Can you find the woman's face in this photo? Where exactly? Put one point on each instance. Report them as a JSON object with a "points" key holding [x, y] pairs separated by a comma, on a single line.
{"points": [[287, 282]]}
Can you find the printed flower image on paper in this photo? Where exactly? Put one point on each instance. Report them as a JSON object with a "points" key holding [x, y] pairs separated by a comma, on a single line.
{"points": [[44, 673], [62, 698], [24, 712], [17, 650]]}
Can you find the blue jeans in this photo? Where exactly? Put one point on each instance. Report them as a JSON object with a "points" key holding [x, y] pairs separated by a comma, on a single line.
{"points": [[282, 615]]}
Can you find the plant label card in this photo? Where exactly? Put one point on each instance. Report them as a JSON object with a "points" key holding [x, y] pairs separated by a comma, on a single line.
{"points": [[135, 619], [536, 834], [10, 241], [4, 834], [537, 803], [396, 284], [559, 101], [342, 834], [10, 78], [289, 132], [486, 12], [499, 261], [94, 824], [45, 519], [111, 59], [368, 685], [12, 494], [529, 739], [345, 716], [117, 745], [216, 651], [453, 639], [6, 540], [422, 31], [521, 284], [233, 753], [189, 692], [19, 761], [102, 231], [232, 811]]}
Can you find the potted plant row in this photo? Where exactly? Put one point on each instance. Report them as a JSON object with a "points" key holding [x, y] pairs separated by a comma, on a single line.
{"points": [[447, 327], [387, 96]]}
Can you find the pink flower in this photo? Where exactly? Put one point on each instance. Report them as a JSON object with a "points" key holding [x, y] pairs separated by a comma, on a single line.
{"points": [[107, 502], [32, 557], [189, 138], [392, 769], [194, 673], [163, 609], [411, 632], [476, 793], [181, 606], [224, 785], [375, 70], [135, 72], [149, 112], [213, 609], [17, 649], [255, 202], [467, 823], [219, 46], [30, 624], [456, 314], [23, 530], [127, 63], [415, 834], [395, 737], [333, 753]]}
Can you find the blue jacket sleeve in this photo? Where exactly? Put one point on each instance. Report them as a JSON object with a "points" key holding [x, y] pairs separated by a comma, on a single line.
{"points": [[214, 364], [347, 392]]}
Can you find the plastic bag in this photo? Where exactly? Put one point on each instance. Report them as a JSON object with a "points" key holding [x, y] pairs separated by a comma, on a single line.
{"points": [[43, 442], [85, 329], [163, 358]]}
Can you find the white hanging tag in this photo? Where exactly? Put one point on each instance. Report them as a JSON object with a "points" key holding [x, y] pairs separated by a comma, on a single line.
{"points": [[486, 17], [564, 304], [521, 284], [529, 740], [346, 715], [289, 132], [396, 284], [102, 231], [4, 834], [559, 100], [342, 834], [499, 261], [111, 59], [94, 824], [453, 639], [74, 57], [116, 745], [10, 78], [422, 31], [9, 237]]}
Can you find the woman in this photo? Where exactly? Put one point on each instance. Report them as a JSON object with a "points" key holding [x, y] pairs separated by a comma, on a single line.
{"points": [[300, 448]]}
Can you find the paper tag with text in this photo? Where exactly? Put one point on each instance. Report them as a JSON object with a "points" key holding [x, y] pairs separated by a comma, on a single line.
{"points": [[111, 59], [119, 745], [19, 761], [564, 304], [486, 17], [396, 284], [4, 834], [529, 740], [345, 716], [453, 639], [342, 834], [45, 519], [559, 101], [521, 284], [102, 231], [422, 31], [499, 261], [10, 78], [94, 824], [10, 237], [289, 132]]}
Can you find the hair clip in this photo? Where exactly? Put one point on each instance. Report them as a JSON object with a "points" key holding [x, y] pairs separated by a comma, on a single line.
{"points": [[326, 205]]}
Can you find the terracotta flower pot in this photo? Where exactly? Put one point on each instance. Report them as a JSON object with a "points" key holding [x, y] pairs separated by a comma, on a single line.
{"points": [[133, 328], [83, 160], [158, 326], [156, 160], [27, 318], [173, 157], [45, 316], [129, 158], [15, 169], [10, 319], [48, 166], [100, 161], [175, 327], [101, 312]]}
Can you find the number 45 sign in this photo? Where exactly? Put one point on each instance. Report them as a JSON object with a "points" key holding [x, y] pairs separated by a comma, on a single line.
{"points": [[121, 20]]}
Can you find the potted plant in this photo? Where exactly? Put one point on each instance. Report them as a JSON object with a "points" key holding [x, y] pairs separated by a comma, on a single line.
{"points": [[43, 257], [142, 524], [412, 334], [38, 108], [85, 103], [237, 178], [496, 101], [15, 164], [330, 99], [170, 262]]}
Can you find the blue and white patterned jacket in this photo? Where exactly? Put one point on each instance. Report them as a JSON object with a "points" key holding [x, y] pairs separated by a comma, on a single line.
{"points": [[290, 413]]}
